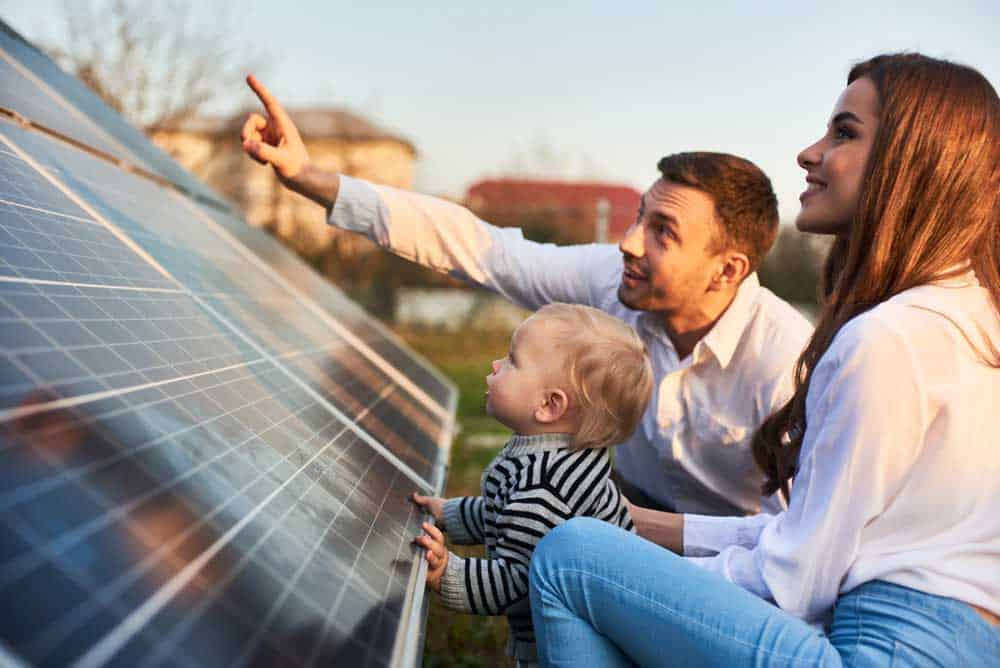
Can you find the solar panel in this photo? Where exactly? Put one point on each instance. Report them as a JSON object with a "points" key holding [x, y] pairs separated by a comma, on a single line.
{"points": [[38, 91], [206, 450]]}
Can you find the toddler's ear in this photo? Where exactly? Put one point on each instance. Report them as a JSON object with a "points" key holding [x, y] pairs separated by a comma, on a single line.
{"points": [[553, 406]]}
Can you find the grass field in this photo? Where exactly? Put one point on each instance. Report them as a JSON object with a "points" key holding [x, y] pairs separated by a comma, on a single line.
{"points": [[465, 641]]}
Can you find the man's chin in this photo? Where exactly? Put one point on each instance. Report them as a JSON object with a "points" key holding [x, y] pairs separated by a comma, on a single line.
{"points": [[631, 301]]}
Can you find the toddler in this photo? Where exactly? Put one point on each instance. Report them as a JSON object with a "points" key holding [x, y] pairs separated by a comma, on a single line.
{"points": [[575, 381]]}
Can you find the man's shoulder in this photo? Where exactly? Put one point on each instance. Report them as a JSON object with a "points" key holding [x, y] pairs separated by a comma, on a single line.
{"points": [[777, 324], [605, 265]]}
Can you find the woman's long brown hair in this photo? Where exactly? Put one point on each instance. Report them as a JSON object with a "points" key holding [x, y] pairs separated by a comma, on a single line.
{"points": [[928, 208]]}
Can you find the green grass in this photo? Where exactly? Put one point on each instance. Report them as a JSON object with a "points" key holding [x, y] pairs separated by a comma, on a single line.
{"points": [[457, 640]]}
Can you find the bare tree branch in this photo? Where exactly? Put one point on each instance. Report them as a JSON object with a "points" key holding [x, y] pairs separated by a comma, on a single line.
{"points": [[154, 63]]}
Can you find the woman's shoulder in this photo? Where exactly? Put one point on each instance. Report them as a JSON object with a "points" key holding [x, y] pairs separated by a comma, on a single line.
{"points": [[927, 316]]}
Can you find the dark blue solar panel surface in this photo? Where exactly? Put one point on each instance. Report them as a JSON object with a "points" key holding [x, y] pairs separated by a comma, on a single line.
{"points": [[350, 315], [203, 461]]}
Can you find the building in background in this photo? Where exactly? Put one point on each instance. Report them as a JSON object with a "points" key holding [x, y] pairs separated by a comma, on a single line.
{"points": [[337, 140], [557, 211]]}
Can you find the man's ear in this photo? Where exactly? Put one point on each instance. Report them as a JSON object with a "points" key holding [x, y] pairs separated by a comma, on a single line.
{"points": [[733, 268], [553, 406]]}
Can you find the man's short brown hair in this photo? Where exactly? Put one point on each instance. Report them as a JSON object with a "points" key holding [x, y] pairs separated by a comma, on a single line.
{"points": [[745, 205]]}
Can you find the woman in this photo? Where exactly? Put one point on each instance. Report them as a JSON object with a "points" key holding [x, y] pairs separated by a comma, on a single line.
{"points": [[889, 552]]}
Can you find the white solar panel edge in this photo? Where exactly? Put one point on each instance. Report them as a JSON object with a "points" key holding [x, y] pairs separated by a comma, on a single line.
{"points": [[406, 649]]}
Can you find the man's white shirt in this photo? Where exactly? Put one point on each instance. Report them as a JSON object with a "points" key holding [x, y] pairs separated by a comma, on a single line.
{"points": [[692, 449]]}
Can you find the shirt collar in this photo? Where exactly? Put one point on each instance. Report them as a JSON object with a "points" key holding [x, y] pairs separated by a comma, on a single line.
{"points": [[963, 277], [520, 444], [722, 339]]}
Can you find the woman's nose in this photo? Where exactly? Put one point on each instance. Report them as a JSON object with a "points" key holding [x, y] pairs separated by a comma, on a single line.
{"points": [[810, 156], [495, 364]]}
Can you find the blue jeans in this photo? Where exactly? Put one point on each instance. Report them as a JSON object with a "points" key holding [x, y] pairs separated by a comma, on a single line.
{"points": [[603, 597]]}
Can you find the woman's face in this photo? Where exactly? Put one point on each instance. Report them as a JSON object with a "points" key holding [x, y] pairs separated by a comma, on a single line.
{"points": [[836, 163]]}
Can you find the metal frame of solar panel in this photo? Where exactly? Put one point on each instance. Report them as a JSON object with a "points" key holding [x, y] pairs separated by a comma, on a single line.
{"points": [[206, 448]]}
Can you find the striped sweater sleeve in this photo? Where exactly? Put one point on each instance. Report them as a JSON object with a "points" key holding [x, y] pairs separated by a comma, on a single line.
{"points": [[490, 586], [610, 506], [463, 520]]}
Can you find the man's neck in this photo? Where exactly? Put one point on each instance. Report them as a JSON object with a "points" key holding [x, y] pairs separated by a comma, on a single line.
{"points": [[686, 329]]}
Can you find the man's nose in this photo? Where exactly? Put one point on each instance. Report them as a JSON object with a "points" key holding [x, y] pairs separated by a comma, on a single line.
{"points": [[495, 364], [632, 242]]}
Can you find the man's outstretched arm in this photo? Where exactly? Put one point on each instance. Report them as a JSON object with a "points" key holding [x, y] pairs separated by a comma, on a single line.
{"points": [[275, 141], [429, 231]]}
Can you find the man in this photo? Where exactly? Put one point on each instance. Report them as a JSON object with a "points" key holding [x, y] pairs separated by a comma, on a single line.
{"points": [[722, 347]]}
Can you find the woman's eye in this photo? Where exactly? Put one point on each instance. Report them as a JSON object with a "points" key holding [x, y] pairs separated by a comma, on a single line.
{"points": [[843, 132]]}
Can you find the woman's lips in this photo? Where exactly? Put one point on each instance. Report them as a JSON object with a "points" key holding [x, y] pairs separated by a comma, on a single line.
{"points": [[812, 187]]}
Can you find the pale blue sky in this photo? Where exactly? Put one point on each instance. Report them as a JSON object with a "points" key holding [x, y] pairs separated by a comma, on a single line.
{"points": [[585, 89]]}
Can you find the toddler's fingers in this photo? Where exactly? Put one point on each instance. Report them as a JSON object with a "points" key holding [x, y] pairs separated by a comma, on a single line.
{"points": [[433, 532]]}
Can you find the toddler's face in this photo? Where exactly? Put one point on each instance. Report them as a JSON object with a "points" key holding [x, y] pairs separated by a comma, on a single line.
{"points": [[518, 383]]}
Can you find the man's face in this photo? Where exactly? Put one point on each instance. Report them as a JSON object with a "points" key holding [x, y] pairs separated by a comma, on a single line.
{"points": [[668, 253]]}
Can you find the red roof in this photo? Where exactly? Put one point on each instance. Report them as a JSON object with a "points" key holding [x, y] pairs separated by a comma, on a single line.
{"points": [[578, 197]]}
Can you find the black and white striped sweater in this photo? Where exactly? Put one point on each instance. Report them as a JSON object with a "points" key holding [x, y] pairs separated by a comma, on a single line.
{"points": [[532, 485]]}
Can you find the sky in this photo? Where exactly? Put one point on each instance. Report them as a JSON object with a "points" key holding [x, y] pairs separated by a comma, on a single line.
{"points": [[580, 90]]}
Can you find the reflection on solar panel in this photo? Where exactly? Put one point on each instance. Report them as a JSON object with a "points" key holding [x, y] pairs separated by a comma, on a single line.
{"points": [[37, 90], [205, 449]]}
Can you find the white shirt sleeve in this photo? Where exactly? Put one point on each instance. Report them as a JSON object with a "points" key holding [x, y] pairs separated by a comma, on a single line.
{"points": [[707, 535], [449, 238], [866, 415]]}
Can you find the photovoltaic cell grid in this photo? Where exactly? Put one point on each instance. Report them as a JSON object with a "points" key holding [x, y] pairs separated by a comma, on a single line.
{"points": [[47, 237], [204, 462], [109, 504], [333, 300], [184, 245]]}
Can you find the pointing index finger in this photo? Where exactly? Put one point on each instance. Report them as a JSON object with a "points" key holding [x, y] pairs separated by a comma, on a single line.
{"points": [[270, 102]]}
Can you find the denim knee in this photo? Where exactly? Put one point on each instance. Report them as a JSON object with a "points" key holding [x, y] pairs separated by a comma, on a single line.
{"points": [[560, 544]]}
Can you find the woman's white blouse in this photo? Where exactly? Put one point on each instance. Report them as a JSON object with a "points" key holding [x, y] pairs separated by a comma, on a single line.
{"points": [[899, 473]]}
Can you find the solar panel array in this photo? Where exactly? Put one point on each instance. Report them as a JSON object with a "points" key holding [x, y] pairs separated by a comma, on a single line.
{"points": [[205, 449]]}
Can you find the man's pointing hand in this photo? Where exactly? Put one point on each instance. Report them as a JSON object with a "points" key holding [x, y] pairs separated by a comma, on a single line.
{"points": [[273, 140]]}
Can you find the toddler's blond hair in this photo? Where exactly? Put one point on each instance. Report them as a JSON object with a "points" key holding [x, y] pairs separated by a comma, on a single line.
{"points": [[610, 376]]}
